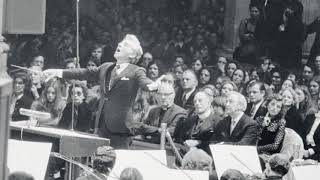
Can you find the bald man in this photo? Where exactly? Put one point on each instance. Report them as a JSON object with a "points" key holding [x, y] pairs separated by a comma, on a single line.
{"points": [[119, 83], [237, 128], [165, 112]]}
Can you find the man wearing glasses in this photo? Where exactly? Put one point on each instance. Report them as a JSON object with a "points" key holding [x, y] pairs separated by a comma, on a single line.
{"points": [[165, 112]]}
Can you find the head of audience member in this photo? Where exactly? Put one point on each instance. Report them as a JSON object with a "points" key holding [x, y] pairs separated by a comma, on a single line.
{"points": [[131, 173], [178, 71], [146, 59], [304, 98], [317, 63], [179, 60], [155, 69], [204, 51], [169, 78], [21, 83], [97, 52], [129, 50], [235, 103], [92, 63], [277, 166], [308, 72], [230, 68], [219, 106], [166, 95], [238, 77], [78, 92], [211, 90], [202, 102], [104, 159], [291, 76], [197, 65], [205, 76], [254, 12], [220, 80], [51, 95], [289, 97], [274, 105], [288, 84], [254, 74], [227, 87], [276, 77], [256, 92], [314, 86], [38, 61], [19, 175], [221, 64], [35, 77], [70, 63], [232, 174], [189, 80], [197, 159], [265, 62]]}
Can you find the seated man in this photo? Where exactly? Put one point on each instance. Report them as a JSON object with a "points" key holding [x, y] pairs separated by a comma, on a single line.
{"points": [[237, 128], [165, 112], [103, 162]]}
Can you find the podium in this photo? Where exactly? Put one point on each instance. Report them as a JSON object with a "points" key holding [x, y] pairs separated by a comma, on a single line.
{"points": [[65, 142]]}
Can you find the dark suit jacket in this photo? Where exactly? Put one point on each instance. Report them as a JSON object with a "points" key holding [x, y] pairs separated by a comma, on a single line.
{"points": [[295, 121], [116, 115], [245, 132], [316, 136], [189, 104], [262, 110], [172, 116], [24, 102]]}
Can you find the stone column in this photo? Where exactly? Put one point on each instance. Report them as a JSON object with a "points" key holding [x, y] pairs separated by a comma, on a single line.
{"points": [[5, 94], [235, 11], [310, 12]]}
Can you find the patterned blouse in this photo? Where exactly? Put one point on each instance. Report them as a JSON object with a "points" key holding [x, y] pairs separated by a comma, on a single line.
{"points": [[271, 136]]}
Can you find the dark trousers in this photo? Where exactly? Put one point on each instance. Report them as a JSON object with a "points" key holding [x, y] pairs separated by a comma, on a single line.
{"points": [[116, 141]]}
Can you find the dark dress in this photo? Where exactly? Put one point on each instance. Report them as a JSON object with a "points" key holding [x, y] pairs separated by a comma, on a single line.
{"points": [[294, 121], [24, 102], [271, 136], [82, 117]]}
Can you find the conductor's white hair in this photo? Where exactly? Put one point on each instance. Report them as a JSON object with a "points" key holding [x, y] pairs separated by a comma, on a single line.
{"points": [[134, 43]]}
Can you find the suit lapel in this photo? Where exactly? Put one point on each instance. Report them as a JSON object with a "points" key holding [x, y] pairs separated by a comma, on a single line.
{"points": [[168, 114], [117, 77], [105, 77]]}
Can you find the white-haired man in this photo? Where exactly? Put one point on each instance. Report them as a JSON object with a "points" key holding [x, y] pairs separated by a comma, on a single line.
{"points": [[237, 128], [119, 83]]}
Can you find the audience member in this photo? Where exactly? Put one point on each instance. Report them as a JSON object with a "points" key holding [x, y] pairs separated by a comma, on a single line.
{"points": [[131, 174], [257, 95]]}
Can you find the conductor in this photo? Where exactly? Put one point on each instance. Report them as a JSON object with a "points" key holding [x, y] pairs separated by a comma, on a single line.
{"points": [[119, 83]]}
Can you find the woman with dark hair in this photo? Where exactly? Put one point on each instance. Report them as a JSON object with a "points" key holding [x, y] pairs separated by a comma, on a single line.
{"points": [[271, 127], [155, 69], [197, 65], [230, 68], [51, 102], [314, 87], [239, 77], [95, 52], [21, 97], [205, 76], [82, 114], [276, 80]]}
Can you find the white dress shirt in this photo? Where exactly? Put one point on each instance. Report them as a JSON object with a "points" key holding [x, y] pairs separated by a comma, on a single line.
{"points": [[234, 122]]}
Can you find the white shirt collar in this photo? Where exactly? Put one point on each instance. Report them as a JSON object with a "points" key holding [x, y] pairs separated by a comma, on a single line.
{"points": [[204, 115], [188, 94], [122, 67], [237, 119]]}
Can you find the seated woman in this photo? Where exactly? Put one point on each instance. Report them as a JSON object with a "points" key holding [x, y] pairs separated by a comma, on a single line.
{"points": [[21, 97], [82, 113], [226, 87], [271, 127], [291, 115], [312, 136], [50, 102]]}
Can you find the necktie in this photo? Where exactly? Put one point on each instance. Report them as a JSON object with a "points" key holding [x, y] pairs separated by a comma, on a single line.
{"points": [[184, 99], [113, 75], [233, 123], [252, 110]]}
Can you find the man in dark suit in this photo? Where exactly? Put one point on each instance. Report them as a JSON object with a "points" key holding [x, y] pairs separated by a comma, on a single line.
{"points": [[237, 128], [166, 112], [119, 83], [185, 94], [257, 105]]}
